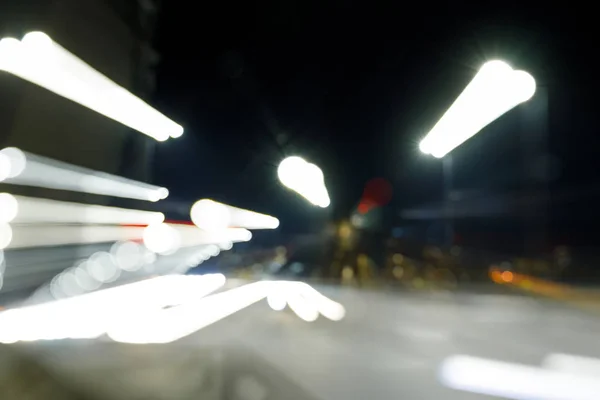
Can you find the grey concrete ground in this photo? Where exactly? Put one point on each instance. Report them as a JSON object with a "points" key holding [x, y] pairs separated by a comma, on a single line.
{"points": [[389, 346]]}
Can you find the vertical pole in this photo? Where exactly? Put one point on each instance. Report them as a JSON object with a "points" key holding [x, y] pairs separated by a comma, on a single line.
{"points": [[534, 136], [448, 206]]}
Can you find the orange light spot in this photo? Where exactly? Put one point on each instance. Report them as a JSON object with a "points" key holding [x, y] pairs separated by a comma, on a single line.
{"points": [[496, 276], [507, 276]]}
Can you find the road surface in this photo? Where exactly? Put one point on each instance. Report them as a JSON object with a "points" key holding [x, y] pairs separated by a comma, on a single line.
{"points": [[390, 346]]}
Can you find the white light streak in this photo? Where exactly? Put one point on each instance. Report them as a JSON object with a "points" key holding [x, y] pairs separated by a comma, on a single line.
{"points": [[39, 60], [276, 300], [9, 207], [36, 210], [496, 89], [21, 168], [35, 235], [91, 315], [577, 365], [6, 236], [304, 178], [192, 236], [159, 310], [211, 215], [130, 257], [171, 324], [4, 167], [162, 239], [305, 310], [327, 307], [515, 381]]}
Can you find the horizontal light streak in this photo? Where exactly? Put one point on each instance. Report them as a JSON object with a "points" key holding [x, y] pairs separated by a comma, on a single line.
{"points": [[21, 209], [22, 168], [159, 310], [211, 215]]}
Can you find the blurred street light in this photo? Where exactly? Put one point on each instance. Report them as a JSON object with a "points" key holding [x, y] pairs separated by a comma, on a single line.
{"points": [[496, 89], [304, 178], [211, 215], [18, 167], [38, 59]]}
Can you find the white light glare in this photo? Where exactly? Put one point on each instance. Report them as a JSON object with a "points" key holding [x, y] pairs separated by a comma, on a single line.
{"points": [[39, 60], [211, 215], [192, 236], [20, 168], [304, 178], [496, 89]]}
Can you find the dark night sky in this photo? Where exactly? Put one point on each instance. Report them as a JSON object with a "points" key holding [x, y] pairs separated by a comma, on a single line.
{"points": [[352, 87]]}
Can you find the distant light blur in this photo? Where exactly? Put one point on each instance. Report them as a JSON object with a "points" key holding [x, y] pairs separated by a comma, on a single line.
{"points": [[304, 178], [377, 193]]}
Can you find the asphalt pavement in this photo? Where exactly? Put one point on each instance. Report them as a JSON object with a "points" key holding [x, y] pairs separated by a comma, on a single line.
{"points": [[390, 346]]}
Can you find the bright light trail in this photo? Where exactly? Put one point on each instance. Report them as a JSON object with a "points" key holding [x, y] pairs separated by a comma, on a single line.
{"points": [[34, 235], [40, 60], [211, 215], [515, 381], [168, 238], [305, 310], [91, 315], [21, 209], [160, 238], [21, 168], [496, 89], [577, 365], [304, 178], [159, 310], [171, 324], [327, 307]]}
